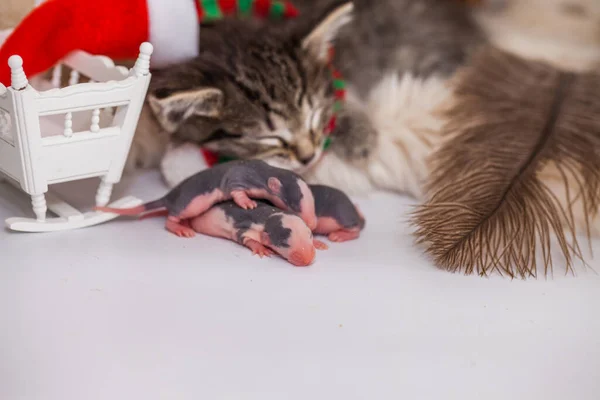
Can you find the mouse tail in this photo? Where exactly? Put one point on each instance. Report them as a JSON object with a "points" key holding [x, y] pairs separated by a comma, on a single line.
{"points": [[153, 214], [153, 205]]}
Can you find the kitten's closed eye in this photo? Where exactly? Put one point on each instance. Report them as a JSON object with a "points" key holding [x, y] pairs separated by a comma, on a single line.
{"points": [[221, 134], [275, 142]]}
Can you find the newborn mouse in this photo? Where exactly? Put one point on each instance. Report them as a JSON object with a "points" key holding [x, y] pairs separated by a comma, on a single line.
{"points": [[238, 180], [265, 230], [337, 216]]}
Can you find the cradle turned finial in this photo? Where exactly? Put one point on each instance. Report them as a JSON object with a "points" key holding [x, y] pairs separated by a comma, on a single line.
{"points": [[17, 75], [142, 64]]}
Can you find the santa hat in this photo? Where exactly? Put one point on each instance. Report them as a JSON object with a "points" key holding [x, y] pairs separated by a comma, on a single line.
{"points": [[116, 28]]}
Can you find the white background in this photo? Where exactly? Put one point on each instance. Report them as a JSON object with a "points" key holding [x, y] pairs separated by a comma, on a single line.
{"points": [[126, 310]]}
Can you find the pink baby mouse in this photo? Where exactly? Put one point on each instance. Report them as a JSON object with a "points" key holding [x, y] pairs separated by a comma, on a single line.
{"points": [[265, 230], [238, 180]]}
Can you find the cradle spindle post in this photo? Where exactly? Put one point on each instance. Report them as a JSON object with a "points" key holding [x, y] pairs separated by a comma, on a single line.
{"points": [[74, 78], [95, 127], [18, 80], [56, 76], [68, 132], [142, 64], [95, 120]]}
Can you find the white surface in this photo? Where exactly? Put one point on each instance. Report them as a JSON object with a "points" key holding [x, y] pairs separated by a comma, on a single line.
{"points": [[126, 310]]}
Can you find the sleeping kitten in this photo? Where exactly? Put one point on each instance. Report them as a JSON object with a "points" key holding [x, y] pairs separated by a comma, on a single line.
{"points": [[265, 92], [255, 91], [398, 57]]}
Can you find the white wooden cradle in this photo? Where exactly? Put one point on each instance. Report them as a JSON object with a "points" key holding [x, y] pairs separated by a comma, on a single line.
{"points": [[80, 131]]}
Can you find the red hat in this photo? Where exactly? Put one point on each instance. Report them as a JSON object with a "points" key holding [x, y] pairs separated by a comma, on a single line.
{"points": [[116, 28]]}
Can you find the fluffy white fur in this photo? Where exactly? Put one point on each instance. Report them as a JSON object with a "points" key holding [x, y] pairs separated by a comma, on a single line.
{"points": [[333, 171], [403, 110]]}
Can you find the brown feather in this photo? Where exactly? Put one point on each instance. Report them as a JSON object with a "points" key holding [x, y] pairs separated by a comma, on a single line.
{"points": [[488, 207]]}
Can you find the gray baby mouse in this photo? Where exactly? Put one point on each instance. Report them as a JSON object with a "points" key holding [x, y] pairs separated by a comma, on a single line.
{"points": [[237, 180], [337, 217]]}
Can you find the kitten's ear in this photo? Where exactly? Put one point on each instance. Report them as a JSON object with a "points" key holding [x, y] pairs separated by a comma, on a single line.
{"points": [[274, 185], [172, 109], [319, 40]]}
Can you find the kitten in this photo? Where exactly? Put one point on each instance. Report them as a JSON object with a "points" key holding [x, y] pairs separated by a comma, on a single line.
{"points": [[255, 91], [396, 58]]}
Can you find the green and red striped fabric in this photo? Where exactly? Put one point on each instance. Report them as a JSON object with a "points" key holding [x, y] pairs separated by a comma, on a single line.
{"points": [[209, 10]]}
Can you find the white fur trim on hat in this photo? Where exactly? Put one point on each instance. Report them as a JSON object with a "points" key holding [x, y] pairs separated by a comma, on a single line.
{"points": [[174, 31], [181, 162]]}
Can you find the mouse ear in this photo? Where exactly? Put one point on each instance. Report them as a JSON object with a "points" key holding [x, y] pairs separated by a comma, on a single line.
{"points": [[274, 185], [265, 239]]}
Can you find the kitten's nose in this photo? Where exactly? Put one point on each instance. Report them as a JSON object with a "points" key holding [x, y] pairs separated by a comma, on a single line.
{"points": [[306, 160], [304, 150]]}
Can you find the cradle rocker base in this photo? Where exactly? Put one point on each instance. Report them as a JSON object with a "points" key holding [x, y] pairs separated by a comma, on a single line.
{"points": [[68, 217]]}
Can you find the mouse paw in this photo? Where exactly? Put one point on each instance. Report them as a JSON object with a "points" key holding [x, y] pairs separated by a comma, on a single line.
{"points": [[258, 249], [241, 199], [320, 245], [343, 236], [179, 229]]}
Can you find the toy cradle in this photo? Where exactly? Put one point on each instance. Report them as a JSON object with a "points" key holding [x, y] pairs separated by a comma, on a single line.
{"points": [[80, 131]]}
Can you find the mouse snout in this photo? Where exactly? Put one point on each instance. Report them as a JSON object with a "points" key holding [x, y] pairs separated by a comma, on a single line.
{"points": [[303, 257]]}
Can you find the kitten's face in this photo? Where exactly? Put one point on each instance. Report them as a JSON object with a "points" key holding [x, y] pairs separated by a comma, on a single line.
{"points": [[254, 92]]}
